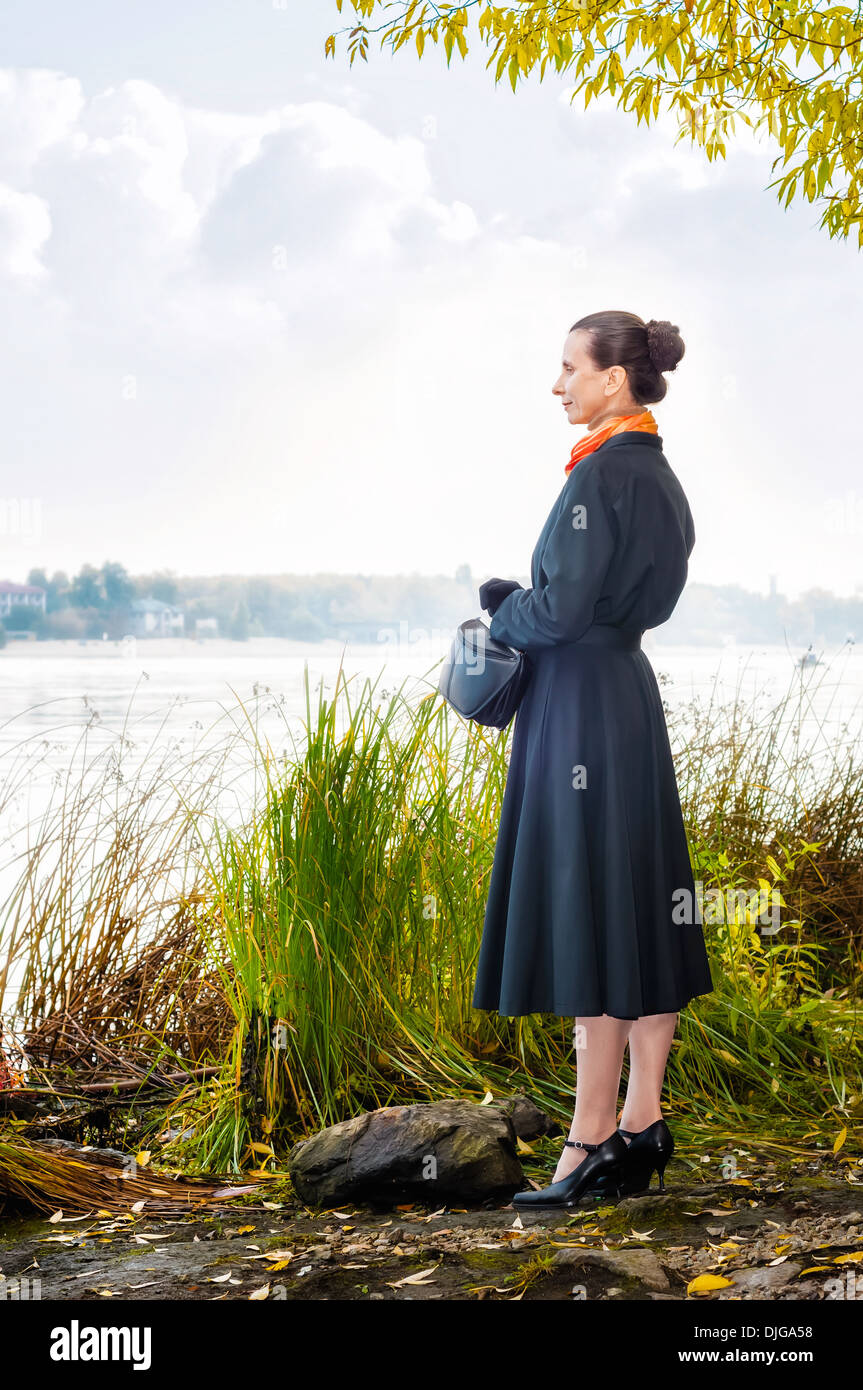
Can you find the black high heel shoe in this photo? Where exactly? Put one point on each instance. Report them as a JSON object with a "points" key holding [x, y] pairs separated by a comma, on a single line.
{"points": [[650, 1149], [603, 1160]]}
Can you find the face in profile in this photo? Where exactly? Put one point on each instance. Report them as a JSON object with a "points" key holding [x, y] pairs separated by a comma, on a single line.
{"points": [[589, 395]]}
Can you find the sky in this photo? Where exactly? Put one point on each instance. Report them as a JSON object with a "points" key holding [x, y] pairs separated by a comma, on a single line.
{"points": [[269, 313]]}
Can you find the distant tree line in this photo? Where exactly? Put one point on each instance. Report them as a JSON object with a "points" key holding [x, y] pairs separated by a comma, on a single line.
{"points": [[374, 608]]}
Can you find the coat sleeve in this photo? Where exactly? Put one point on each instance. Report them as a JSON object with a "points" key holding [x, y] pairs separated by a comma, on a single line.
{"points": [[573, 568]]}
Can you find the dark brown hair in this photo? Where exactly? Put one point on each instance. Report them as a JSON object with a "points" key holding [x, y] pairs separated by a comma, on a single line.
{"points": [[645, 350]]}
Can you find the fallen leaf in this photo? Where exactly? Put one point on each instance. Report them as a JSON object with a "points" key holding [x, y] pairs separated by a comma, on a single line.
{"points": [[142, 1157], [420, 1277], [58, 1216], [840, 1139], [705, 1283], [258, 1295], [849, 1259], [244, 1230]]}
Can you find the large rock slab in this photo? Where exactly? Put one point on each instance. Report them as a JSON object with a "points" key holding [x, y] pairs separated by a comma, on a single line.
{"points": [[642, 1265], [442, 1151]]}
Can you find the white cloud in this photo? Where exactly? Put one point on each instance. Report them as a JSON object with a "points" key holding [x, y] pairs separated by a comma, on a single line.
{"points": [[25, 225], [331, 333]]}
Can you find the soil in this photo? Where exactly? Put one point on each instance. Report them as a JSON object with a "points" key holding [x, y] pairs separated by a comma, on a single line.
{"points": [[775, 1231]]}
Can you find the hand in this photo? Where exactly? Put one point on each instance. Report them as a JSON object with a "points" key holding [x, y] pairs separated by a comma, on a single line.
{"points": [[493, 592]]}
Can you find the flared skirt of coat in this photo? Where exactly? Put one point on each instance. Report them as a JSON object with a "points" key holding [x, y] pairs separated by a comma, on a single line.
{"points": [[591, 906]]}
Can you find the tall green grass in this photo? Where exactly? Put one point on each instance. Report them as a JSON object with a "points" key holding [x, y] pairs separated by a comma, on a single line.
{"points": [[318, 945], [346, 925]]}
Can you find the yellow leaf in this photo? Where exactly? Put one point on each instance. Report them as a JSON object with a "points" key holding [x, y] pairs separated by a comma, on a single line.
{"points": [[263, 1149], [705, 1283], [849, 1259], [813, 1269], [244, 1230], [840, 1139], [522, 1147], [280, 1264], [142, 1157]]}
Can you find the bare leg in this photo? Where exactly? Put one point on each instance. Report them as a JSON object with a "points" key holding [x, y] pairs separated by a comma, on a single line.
{"points": [[600, 1043], [649, 1045]]}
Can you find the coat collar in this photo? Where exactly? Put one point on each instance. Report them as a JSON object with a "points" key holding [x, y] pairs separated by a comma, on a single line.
{"points": [[653, 441]]}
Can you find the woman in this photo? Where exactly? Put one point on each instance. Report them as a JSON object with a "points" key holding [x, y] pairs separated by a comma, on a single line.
{"points": [[591, 910]]}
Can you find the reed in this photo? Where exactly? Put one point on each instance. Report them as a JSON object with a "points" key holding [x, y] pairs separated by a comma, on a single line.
{"points": [[318, 944], [352, 916]]}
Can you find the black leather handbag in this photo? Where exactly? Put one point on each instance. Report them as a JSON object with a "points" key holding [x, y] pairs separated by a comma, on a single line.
{"points": [[482, 678]]}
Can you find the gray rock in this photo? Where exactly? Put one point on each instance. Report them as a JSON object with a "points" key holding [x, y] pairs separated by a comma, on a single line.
{"points": [[765, 1279], [642, 1265], [449, 1149], [528, 1121]]}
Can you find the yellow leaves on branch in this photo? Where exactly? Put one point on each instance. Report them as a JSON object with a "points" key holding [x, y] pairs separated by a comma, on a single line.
{"points": [[797, 74]]}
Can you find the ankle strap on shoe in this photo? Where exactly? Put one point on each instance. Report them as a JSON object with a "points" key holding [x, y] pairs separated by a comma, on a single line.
{"points": [[580, 1144]]}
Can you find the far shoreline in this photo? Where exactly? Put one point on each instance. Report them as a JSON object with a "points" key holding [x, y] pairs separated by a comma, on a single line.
{"points": [[222, 648]]}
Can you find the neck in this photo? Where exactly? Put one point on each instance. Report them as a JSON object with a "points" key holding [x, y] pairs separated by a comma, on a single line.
{"points": [[613, 413]]}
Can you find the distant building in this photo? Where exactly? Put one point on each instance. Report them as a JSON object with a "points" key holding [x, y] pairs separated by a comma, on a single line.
{"points": [[153, 618], [206, 627], [14, 596]]}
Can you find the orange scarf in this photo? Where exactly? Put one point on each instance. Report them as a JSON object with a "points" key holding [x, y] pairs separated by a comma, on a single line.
{"points": [[616, 425]]}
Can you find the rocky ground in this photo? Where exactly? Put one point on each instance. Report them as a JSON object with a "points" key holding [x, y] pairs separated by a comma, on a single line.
{"points": [[776, 1231]]}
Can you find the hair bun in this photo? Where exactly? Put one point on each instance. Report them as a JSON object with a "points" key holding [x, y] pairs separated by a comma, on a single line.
{"points": [[665, 346]]}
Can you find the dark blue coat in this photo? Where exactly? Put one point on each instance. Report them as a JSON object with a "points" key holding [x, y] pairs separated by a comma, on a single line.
{"points": [[591, 906]]}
